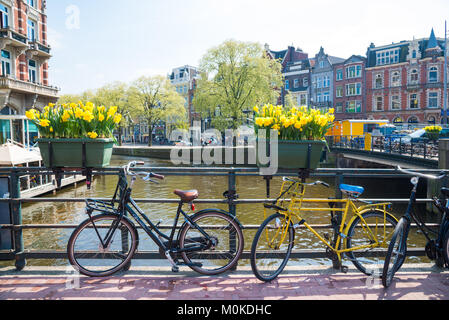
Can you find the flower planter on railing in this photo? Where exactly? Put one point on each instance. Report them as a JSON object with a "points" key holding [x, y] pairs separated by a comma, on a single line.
{"points": [[76, 153], [301, 134]]}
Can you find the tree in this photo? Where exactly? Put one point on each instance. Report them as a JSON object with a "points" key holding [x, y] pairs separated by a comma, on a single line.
{"points": [[116, 94], [157, 100], [242, 76]]}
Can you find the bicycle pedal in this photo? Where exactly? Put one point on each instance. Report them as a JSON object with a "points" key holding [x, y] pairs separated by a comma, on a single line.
{"points": [[175, 269], [344, 269]]}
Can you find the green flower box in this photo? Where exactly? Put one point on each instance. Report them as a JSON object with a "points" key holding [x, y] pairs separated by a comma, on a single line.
{"points": [[68, 153], [295, 154]]}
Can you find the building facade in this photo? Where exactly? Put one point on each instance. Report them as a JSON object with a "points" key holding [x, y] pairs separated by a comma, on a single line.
{"points": [[322, 91], [184, 80], [296, 70], [24, 56], [24, 79], [405, 81], [349, 88]]}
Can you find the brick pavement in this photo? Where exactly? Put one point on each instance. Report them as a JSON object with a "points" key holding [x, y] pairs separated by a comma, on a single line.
{"points": [[319, 283]]}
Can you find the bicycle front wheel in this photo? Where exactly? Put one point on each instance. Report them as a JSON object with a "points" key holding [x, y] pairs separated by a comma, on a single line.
{"points": [[396, 254], [368, 238], [272, 247], [86, 251], [222, 247], [446, 248]]}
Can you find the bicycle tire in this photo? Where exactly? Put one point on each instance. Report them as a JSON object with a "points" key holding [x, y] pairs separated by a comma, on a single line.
{"points": [[259, 265], [230, 234], [81, 246], [396, 254], [370, 261]]}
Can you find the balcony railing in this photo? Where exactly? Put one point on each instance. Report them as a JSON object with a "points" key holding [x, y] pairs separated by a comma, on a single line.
{"points": [[40, 49], [15, 38], [9, 82]]}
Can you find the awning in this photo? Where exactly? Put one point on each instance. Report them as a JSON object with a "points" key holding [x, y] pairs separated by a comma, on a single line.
{"points": [[12, 155]]}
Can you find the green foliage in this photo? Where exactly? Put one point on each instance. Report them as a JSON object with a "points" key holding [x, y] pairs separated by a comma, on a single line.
{"points": [[241, 76]]}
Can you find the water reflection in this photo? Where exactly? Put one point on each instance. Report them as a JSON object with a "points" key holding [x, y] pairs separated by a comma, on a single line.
{"points": [[209, 188]]}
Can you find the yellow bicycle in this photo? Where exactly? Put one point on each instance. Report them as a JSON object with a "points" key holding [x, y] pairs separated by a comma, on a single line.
{"points": [[363, 239]]}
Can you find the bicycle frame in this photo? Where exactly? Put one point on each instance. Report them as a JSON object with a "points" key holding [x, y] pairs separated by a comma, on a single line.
{"points": [[128, 206], [296, 206]]}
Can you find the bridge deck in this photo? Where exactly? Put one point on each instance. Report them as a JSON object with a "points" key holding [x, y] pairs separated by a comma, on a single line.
{"points": [[421, 282]]}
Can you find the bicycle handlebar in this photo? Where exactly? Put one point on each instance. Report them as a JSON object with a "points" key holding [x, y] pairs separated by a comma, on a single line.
{"points": [[417, 174], [147, 175], [308, 184]]}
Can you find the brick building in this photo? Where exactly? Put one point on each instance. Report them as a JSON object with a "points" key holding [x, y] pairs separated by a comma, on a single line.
{"points": [[349, 88], [405, 81], [296, 70], [24, 80]]}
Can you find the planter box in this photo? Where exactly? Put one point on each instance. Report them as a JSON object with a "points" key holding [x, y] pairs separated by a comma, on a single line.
{"points": [[294, 154], [68, 153]]}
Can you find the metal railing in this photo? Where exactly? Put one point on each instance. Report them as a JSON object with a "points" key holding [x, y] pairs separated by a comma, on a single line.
{"points": [[20, 254], [426, 151]]}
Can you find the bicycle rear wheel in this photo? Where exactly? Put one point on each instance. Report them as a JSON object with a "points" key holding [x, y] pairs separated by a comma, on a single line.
{"points": [[396, 254], [223, 248], [85, 249], [272, 247], [372, 241]]}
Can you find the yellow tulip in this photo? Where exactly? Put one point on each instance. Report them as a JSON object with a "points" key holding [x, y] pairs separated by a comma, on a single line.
{"points": [[44, 123], [117, 118], [101, 117], [92, 135]]}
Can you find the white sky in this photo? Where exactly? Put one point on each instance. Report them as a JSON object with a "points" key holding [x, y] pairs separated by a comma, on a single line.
{"points": [[121, 40]]}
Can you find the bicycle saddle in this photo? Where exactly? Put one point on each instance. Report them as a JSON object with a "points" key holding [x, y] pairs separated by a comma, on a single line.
{"points": [[445, 192], [187, 196], [352, 190]]}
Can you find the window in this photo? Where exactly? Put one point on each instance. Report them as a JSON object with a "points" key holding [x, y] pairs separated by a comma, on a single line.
{"points": [[339, 74], [395, 102], [318, 83], [395, 79], [4, 17], [431, 120], [387, 57], [433, 99], [296, 83], [321, 64], [31, 3], [326, 97], [353, 89], [303, 99], [339, 92], [32, 70], [287, 85], [379, 104], [305, 82], [353, 72], [433, 74], [6, 63], [414, 54], [413, 101], [379, 81], [326, 82], [413, 120], [414, 77], [31, 30], [318, 97], [353, 106], [339, 107]]}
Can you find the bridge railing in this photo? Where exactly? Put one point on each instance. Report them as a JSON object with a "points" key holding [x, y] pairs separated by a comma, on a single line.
{"points": [[13, 201], [398, 145]]}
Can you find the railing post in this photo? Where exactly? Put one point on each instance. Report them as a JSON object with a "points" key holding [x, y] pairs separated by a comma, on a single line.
{"points": [[339, 179], [16, 209], [232, 195]]}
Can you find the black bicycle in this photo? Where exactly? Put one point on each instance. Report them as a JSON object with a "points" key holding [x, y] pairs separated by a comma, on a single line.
{"points": [[436, 249], [210, 241]]}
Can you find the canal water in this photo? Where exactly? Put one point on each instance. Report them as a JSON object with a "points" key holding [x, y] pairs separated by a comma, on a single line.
{"points": [[209, 188]]}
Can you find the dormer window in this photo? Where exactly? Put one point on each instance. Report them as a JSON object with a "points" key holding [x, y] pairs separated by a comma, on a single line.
{"points": [[414, 54]]}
